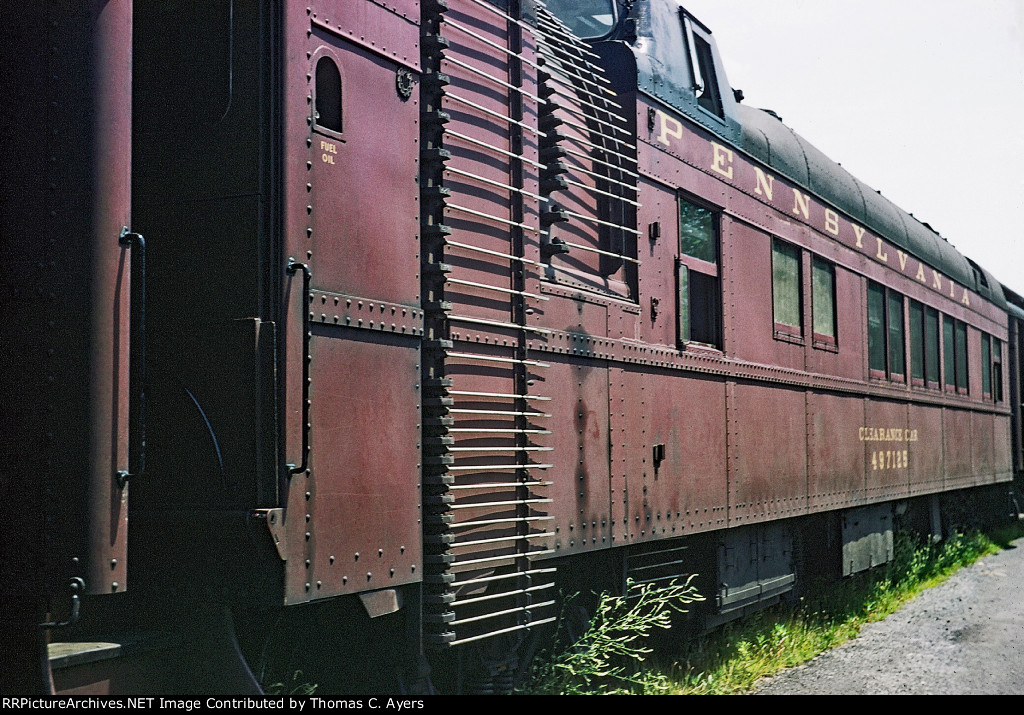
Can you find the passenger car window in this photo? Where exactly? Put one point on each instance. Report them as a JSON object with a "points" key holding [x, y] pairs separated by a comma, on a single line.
{"points": [[698, 285], [823, 301], [786, 304]]}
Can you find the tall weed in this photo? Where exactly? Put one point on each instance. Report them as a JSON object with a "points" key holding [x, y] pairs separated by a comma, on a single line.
{"points": [[608, 656]]}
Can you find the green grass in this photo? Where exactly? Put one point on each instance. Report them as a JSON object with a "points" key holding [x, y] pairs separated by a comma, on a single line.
{"points": [[733, 658]]}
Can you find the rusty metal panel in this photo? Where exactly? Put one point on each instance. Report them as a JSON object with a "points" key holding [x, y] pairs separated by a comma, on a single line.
{"points": [[1002, 460], [982, 447], [924, 445], [579, 421], [835, 450], [768, 433], [352, 520], [629, 450], [580, 316], [886, 451], [686, 489], [956, 433]]}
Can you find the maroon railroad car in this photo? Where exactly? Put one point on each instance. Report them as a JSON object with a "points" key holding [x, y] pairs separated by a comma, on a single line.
{"points": [[448, 305]]}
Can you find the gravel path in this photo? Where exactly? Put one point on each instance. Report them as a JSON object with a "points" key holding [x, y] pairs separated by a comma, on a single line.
{"points": [[965, 636]]}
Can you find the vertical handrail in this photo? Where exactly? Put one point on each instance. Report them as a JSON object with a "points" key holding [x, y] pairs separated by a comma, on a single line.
{"points": [[137, 359], [307, 276]]}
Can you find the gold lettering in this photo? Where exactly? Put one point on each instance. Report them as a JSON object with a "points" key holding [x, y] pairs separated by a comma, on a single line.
{"points": [[328, 147], [952, 285], [327, 158], [801, 204], [860, 234], [966, 300], [936, 280], [721, 161], [764, 181], [883, 257], [832, 222], [903, 259], [920, 273], [676, 130]]}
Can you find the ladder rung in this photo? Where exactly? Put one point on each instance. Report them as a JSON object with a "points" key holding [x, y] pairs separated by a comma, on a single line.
{"points": [[527, 626], [591, 219], [603, 253], [495, 45], [481, 214], [489, 252], [499, 394], [491, 112], [496, 288], [504, 152], [490, 358], [498, 324]]}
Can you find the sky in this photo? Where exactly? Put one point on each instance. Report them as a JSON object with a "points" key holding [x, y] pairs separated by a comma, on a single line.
{"points": [[920, 99]]}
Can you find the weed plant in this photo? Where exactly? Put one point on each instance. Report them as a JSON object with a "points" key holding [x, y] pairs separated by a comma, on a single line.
{"points": [[608, 656]]}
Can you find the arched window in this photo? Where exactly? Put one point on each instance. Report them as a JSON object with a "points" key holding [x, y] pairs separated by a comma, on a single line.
{"points": [[327, 113]]}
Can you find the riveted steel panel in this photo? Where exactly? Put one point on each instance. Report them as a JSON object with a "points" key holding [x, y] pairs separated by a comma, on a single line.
{"points": [[687, 489], [658, 245], [956, 432], [924, 449], [631, 466], [768, 432], [363, 207], [835, 450], [579, 422], [389, 29], [353, 520], [1002, 461], [982, 447]]}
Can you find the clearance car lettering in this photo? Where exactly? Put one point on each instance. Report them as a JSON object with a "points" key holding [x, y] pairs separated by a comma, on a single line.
{"points": [[888, 458]]}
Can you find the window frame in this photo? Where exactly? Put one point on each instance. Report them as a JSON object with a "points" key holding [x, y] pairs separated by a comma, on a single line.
{"points": [[993, 365], [955, 356], [711, 270], [785, 331], [888, 298], [918, 352], [706, 82], [321, 54], [822, 341]]}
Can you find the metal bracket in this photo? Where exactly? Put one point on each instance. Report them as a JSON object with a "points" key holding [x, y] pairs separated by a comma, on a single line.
{"points": [[77, 588]]}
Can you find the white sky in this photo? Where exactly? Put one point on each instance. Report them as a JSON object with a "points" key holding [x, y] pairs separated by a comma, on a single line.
{"points": [[921, 99]]}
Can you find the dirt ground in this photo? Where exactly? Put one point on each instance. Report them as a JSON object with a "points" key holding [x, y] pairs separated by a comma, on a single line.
{"points": [[965, 636]]}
